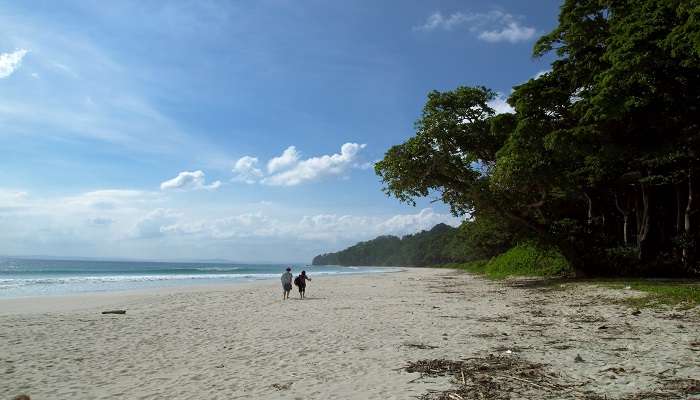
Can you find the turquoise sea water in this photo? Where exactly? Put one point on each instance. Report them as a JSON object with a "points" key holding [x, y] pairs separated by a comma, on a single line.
{"points": [[27, 277]]}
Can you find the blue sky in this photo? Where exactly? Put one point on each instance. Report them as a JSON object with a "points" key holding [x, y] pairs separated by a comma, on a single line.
{"points": [[237, 130]]}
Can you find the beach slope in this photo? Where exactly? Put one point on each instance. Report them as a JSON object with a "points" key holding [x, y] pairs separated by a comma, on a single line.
{"points": [[350, 339]]}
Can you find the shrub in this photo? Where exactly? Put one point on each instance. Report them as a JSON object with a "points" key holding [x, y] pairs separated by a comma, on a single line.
{"points": [[526, 260]]}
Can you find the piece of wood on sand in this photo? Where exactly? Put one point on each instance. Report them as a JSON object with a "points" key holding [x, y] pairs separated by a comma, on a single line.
{"points": [[114, 312]]}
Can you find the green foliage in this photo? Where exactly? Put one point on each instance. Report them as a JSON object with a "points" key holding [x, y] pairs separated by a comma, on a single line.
{"points": [[526, 260], [475, 267], [682, 294], [521, 260], [436, 246], [598, 159]]}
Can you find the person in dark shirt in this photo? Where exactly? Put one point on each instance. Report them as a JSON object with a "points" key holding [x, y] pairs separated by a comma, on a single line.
{"points": [[300, 281]]}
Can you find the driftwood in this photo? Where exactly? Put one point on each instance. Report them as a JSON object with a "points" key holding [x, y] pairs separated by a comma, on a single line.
{"points": [[114, 312]]}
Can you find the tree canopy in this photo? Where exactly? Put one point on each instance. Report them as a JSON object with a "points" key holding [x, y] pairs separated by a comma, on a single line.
{"points": [[599, 158]]}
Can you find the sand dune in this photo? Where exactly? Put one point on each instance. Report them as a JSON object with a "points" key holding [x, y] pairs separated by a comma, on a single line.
{"points": [[348, 340]]}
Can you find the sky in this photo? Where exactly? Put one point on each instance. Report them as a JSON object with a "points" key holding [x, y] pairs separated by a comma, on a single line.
{"points": [[238, 130]]}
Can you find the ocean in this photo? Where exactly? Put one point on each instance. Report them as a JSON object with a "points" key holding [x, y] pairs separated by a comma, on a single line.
{"points": [[30, 277]]}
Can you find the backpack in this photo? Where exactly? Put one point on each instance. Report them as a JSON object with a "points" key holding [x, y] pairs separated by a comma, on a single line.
{"points": [[297, 280]]}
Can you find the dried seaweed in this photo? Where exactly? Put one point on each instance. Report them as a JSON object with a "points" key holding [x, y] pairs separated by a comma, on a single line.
{"points": [[510, 377]]}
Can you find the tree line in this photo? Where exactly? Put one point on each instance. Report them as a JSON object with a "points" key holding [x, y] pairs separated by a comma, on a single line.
{"points": [[599, 159], [439, 245]]}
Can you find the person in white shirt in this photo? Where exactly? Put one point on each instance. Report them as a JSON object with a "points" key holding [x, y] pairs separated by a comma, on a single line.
{"points": [[286, 283]]}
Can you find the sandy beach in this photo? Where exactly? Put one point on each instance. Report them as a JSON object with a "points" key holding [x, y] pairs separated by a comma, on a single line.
{"points": [[350, 339]]}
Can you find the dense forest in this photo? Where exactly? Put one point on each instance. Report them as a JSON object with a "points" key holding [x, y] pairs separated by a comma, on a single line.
{"points": [[599, 159], [439, 245]]}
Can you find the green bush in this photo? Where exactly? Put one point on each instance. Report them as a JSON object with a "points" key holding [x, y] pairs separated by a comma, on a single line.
{"points": [[521, 260], [475, 267], [526, 260]]}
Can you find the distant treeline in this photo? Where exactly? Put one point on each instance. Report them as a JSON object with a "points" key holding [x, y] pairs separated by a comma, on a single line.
{"points": [[441, 244]]}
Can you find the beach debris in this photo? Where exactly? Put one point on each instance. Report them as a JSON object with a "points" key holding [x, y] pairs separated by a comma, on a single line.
{"points": [[491, 377], [421, 346], [509, 377], [282, 386], [578, 358], [114, 312], [636, 312]]}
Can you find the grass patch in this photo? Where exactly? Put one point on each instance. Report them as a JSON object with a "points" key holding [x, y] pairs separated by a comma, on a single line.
{"points": [[682, 294], [521, 260], [475, 267]]}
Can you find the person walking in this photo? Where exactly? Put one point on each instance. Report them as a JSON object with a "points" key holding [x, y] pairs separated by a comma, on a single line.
{"points": [[286, 283], [300, 281]]}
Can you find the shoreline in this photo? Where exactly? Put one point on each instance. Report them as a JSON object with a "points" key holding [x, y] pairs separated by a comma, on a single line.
{"points": [[71, 302], [44, 302], [350, 339]]}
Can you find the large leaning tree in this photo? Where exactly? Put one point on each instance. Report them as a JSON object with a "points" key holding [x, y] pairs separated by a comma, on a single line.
{"points": [[600, 157]]}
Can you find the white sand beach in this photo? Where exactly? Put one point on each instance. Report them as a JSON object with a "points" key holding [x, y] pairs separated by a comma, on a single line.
{"points": [[350, 339]]}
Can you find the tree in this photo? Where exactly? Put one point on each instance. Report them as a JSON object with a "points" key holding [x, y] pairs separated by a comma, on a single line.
{"points": [[598, 158]]}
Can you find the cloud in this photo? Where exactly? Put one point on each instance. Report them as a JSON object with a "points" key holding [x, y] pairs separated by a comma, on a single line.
{"points": [[409, 223], [500, 104], [316, 168], [114, 222], [541, 73], [288, 158], [100, 221], [187, 180], [107, 200], [154, 224], [9, 62], [437, 20], [513, 32], [493, 26], [246, 170], [324, 227], [331, 227], [237, 226]]}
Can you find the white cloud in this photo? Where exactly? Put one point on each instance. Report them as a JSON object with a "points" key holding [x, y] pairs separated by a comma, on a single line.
{"points": [[246, 170], [500, 104], [237, 226], [437, 20], [315, 168], [107, 200], [154, 224], [100, 221], [541, 73], [493, 26], [118, 223], [332, 228], [408, 223], [513, 32], [187, 180], [9, 62], [288, 159], [324, 227]]}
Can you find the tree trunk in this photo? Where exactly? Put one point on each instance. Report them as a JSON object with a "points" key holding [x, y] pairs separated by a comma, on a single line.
{"points": [[679, 209], [644, 224], [686, 221], [589, 220], [625, 220]]}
